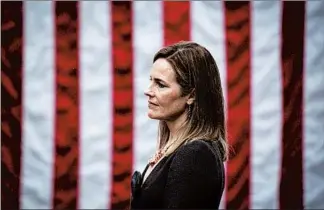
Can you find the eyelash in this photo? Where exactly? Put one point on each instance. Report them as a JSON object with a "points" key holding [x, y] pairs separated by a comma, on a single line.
{"points": [[161, 85]]}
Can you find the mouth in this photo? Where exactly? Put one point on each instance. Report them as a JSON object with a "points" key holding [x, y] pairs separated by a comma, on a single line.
{"points": [[153, 104]]}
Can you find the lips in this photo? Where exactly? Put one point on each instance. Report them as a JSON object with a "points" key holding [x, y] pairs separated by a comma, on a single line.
{"points": [[151, 103]]}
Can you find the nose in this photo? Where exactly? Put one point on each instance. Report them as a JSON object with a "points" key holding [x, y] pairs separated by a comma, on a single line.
{"points": [[148, 92]]}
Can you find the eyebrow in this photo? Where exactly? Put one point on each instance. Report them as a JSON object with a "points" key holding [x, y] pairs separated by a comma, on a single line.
{"points": [[159, 80]]}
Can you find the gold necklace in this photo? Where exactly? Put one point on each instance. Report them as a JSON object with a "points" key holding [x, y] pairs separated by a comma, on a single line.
{"points": [[158, 155]]}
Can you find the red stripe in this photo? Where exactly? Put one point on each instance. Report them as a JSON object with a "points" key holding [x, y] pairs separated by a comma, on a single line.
{"points": [[11, 102], [292, 58], [122, 27], [238, 40], [176, 21], [67, 106]]}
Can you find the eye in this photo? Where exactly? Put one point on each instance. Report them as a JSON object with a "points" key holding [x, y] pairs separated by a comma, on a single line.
{"points": [[161, 85]]}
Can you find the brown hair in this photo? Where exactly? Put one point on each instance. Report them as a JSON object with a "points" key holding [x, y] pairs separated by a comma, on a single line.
{"points": [[196, 73]]}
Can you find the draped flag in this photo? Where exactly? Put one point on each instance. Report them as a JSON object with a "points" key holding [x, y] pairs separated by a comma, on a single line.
{"points": [[74, 124]]}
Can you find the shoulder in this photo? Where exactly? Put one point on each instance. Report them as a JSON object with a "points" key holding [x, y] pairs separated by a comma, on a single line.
{"points": [[195, 144], [197, 159], [196, 152], [197, 147]]}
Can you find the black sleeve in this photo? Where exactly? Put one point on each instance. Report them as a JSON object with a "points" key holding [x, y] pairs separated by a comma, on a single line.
{"points": [[193, 179]]}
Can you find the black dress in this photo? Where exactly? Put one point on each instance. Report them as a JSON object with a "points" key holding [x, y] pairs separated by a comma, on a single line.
{"points": [[190, 178]]}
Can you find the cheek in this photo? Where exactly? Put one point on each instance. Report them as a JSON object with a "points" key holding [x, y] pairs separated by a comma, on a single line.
{"points": [[172, 102], [166, 99], [174, 95]]}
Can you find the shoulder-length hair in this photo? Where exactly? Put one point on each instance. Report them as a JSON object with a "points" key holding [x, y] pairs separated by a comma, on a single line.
{"points": [[196, 73]]}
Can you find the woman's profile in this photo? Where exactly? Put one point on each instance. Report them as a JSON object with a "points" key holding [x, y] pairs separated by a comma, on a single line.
{"points": [[185, 95]]}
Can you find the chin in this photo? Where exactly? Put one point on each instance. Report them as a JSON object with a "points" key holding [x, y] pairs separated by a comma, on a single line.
{"points": [[153, 116]]}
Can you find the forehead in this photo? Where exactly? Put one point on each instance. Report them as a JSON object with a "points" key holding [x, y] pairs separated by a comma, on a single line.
{"points": [[163, 70]]}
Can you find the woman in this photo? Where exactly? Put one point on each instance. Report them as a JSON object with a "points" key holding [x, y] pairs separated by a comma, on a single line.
{"points": [[185, 95]]}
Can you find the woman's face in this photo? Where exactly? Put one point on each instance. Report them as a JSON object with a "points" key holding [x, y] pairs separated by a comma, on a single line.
{"points": [[164, 93]]}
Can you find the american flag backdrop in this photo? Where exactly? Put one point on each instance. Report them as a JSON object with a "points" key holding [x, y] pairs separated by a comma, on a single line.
{"points": [[74, 124]]}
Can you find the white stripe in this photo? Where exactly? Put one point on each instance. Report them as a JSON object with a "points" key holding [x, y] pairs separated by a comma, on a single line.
{"points": [[314, 106], [148, 39], [207, 29], [265, 104], [96, 107], [38, 106]]}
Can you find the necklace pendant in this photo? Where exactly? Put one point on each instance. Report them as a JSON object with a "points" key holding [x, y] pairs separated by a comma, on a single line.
{"points": [[155, 158]]}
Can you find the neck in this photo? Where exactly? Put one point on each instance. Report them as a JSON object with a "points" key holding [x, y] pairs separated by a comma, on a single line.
{"points": [[175, 125]]}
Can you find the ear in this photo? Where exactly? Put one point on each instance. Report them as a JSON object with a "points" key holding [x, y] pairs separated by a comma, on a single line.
{"points": [[191, 97], [190, 101]]}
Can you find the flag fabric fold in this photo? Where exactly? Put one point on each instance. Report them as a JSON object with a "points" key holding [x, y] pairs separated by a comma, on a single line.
{"points": [[74, 125]]}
